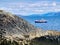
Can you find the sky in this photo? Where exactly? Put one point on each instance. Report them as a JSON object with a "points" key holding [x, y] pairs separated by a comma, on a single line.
{"points": [[29, 7]]}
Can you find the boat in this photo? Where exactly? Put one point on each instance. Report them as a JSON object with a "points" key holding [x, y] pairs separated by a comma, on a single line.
{"points": [[41, 21]]}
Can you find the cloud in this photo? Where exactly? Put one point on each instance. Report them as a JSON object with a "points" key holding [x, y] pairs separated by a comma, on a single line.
{"points": [[54, 4], [25, 8]]}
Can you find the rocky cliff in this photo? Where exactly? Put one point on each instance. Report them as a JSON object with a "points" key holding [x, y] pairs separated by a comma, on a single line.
{"points": [[13, 25]]}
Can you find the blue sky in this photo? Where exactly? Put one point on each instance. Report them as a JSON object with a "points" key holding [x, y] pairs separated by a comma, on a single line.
{"points": [[28, 7]]}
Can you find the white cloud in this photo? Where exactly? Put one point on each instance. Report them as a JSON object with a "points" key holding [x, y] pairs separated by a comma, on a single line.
{"points": [[24, 8], [54, 4]]}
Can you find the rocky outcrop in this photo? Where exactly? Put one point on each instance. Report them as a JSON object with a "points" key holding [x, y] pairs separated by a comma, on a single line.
{"points": [[14, 26], [52, 33]]}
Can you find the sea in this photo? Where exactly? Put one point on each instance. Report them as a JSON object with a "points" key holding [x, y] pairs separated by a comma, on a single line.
{"points": [[53, 21]]}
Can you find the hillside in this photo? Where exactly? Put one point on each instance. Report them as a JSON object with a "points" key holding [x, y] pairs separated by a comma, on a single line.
{"points": [[14, 26], [53, 33]]}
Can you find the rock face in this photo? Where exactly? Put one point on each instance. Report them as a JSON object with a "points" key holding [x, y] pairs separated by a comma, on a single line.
{"points": [[52, 33], [13, 25]]}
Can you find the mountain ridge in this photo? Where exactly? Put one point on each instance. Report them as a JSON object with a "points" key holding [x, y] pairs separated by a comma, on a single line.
{"points": [[45, 14], [14, 25]]}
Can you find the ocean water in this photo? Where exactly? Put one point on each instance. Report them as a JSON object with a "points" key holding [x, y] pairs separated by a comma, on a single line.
{"points": [[53, 22]]}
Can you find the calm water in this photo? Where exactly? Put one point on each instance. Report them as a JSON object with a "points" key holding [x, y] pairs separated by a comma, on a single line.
{"points": [[53, 22]]}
